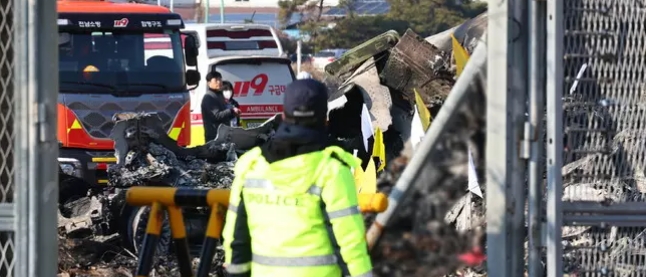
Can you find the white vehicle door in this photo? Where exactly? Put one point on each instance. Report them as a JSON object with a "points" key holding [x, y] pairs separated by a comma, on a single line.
{"points": [[258, 84]]}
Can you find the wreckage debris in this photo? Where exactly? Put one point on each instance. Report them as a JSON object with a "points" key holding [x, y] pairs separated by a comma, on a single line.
{"points": [[103, 220], [97, 228], [147, 156], [431, 230], [159, 165]]}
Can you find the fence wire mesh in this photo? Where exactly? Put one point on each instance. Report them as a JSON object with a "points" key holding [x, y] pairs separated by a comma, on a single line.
{"points": [[605, 130], [7, 254], [6, 129], [6, 101]]}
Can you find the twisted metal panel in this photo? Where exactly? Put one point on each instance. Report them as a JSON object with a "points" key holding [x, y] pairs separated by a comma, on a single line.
{"points": [[604, 133], [6, 138]]}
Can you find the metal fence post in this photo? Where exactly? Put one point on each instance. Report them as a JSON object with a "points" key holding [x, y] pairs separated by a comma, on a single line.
{"points": [[506, 107], [554, 90], [36, 148], [535, 135]]}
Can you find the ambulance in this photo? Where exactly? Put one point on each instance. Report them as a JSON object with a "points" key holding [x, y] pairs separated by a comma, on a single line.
{"points": [[258, 85], [251, 57]]}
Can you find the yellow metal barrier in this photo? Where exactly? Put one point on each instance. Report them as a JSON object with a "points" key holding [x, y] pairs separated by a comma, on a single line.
{"points": [[218, 200]]}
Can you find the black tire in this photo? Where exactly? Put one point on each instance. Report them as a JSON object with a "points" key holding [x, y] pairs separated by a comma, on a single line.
{"points": [[137, 230]]}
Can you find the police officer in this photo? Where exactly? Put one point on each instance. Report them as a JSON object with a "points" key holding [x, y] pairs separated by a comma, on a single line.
{"points": [[293, 207]]}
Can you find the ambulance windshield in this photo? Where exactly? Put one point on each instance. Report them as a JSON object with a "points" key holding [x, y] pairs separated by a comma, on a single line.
{"points": [[121, 62]]}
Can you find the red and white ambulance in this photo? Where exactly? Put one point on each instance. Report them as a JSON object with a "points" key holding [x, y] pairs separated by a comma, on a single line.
{"points": [[258, 86], [251, 57], [222, 40]]}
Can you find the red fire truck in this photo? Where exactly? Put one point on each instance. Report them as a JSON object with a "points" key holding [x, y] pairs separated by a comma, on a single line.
{"points": [[114, 58]]}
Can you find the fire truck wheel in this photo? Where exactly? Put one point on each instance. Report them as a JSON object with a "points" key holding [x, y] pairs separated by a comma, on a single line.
{"points": [[137, 230]]}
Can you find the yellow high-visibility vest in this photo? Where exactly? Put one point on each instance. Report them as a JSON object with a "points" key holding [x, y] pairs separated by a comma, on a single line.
{"points": [[286, 217]]}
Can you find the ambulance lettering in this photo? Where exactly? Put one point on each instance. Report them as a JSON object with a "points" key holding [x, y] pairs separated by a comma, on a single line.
{"points": [[263, 109], [257, 85]]}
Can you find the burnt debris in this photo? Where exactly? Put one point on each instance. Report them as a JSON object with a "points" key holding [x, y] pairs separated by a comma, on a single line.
{"points": [[100, 232], [97, 219]]}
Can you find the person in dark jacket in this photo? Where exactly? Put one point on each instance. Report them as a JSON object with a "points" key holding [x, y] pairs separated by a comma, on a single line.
{"points": [[227, 91], [214, 107], [298, 133], [309, 183]]}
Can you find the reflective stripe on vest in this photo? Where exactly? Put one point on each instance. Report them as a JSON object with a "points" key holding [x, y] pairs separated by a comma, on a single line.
{"points": [[238, 268], [233, 208], [265, 184], [295, 261], [258, 184], [343, 212]]}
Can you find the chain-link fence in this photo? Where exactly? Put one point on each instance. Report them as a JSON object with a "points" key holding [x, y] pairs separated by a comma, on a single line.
{"points": [[28, 168], [596, 139], [6, 138], [6, 102], [604, 138]]}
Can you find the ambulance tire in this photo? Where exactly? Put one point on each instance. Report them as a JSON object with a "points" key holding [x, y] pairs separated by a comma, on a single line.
{"points": [[137, 231]]}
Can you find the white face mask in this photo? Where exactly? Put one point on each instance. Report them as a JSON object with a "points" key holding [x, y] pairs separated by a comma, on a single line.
{"points": [[227, 94]]}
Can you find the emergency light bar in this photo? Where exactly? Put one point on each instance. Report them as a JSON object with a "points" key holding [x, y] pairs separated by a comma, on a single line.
{"points": [[174, 22]]}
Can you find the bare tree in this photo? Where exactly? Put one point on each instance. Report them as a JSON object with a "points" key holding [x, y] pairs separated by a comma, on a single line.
{"points": [[320, 10], [199, 11]]}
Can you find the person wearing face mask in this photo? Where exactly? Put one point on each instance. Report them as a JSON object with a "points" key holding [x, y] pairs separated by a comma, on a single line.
{"points": [[215, 110], [227, 91]]}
